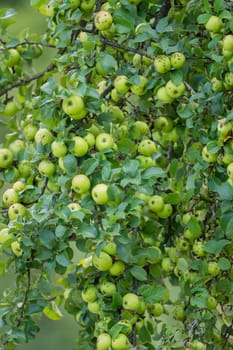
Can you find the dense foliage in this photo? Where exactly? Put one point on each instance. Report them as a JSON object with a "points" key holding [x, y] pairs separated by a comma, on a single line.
{"points": [[121, 149]]}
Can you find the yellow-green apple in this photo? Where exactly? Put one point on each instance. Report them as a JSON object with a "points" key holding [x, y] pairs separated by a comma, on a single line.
{"points": [[103, 20], [58, 148], [6, 158], [46, 168], [74, 106], [16, 210], [177, 60], [102, 262], [162, 64], [80, 184], [100, 193], [44, 136], [10, 196], [80, 147]]}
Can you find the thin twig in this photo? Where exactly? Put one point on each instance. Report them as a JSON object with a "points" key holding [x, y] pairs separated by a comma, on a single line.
{"points": [[189, 87], [22, 309], [106, 91], [26, 42], [28, 80]]}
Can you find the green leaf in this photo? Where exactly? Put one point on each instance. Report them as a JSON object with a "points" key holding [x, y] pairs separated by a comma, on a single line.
{"points": [[215, 247], [107, 61], [126, 146], [144, 335], [203, 18], [139, 273], [6, 13], [63, 259], [52, 311], [219, 5], [224, 264], [70, 164], [194, 226], [87, 231], [89, 165], [152, 294], [47, 238], [116, 330], [153, 172], [172, 198]]}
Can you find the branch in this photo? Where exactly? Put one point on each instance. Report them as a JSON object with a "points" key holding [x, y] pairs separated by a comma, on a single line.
{"points": [[28, 80], [21, 315], [123, 47], [106, 91], [43, 188], [26, 42], [189, 87]]}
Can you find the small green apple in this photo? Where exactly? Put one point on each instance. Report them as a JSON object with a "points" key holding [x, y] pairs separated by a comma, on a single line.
{"points": [[228, 43], [230, 170], [80, 184], [102, 262], [156, 203], [12, 58], [6, 158], [166, 211], [103, 20], [121, 84], [120, 342], [213, 268], [25, 168], [162, 95], [44, 136], [16, 248], [139, 88], [214, 24], [198, 248], [207, 156], [177, 60], [89, 295], [10, 109], [211, 303], [198, 345], [74, 206], [58, 148], [117, 268], [108, 288], [46, 168], [16, 210], [99, 194], [87, 5], [74, 106], [93, 307], [147, 147], [167, 265], [29, 131], [103, 141], [110, 248], [9, 197], [162, 64], [103, 342], [173, 90], [178, 312], [5, 235], [156, 309], [130, 302], [80, 147], [90, 139], [163, 123]]}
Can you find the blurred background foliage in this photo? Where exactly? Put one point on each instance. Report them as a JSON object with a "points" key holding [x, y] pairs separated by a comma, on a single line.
{"points": [[53, 334]]}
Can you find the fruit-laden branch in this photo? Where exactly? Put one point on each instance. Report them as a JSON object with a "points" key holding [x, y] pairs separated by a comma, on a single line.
{"points": [[43, 188], [26, 42], [123, 47], [28, 80]]}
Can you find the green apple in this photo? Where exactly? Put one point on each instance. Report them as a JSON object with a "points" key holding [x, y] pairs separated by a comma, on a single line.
{"points": [[117, 268], [230, 170], [145, 162], [173, 90], [156, 203], [214, 24], [211, 303], [46, 10], [93, 307], [74, 106], [19, 186], [163, 96], [142, 306], [197, 345], [17, 146], [58, 148], [177, 60], [87, 5], [110, 248], [198, 248], [147, 147], [53, 186], [217, 84], [130, 302], [5, 235], [74, 206], [103, 141], [117, 113], [44, 136], [139, 88], [229, 78], [10, 197], [115, 96], [16, 248], [228, 43], [213, 268], [120, 342], [163, 123], [178, 312], [156, 309], [140, 129], [167, 265], [46, 168], [207, 156], [29, 131], [121, 84], [102, 262], [80, 184], [6, 158], [165, 212], [12, 58], [25, 168], [89, 295], [74, 4], [103, 20], [162, 64], [80, 147], [224, 128], [16, 210], [90, 139], [103, 341], [10, 109], [127, 326], [108, 288], [135, 2], [100, 194]]}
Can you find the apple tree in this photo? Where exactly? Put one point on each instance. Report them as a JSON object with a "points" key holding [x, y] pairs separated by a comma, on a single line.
{"points": [[120, 153]]}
